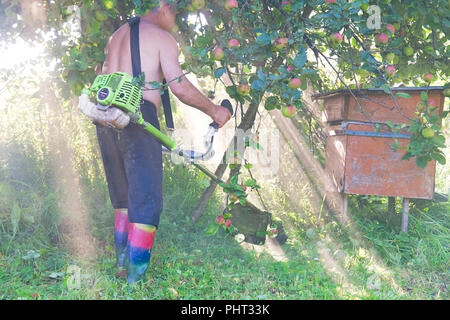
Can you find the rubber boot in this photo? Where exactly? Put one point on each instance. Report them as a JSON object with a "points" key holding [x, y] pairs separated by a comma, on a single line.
{"points": [[140, 242], [120, 240]]}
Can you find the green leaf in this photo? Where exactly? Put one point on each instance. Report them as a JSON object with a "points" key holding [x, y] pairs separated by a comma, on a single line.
{"points": [[300, 59], [386, 88], [272, 103], [258, 85], [261, 75], [263, 39], [421, 162], [438, 157], [424, 96], [211, 229], [219, 72]]}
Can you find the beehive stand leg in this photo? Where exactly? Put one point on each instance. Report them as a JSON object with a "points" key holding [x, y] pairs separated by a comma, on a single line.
{"points": [[344, 206], [391, 205], [405, 212]]}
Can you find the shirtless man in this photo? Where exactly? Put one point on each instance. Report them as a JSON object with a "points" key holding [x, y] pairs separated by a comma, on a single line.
{"points": [[133, 159]]}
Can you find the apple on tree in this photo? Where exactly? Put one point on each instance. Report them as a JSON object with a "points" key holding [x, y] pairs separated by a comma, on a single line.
{"points": [[336, 38], [390, 27], [198, 4], [428, 77], [288, 111], [295, 83], [218, 53], [286, 6], [390, 70], [281, 43], [446, 92], [220, 219], [408, 51], [381, 39], [390, 57], [427, 133], [243, 89], [233, 43], [231, 4]]}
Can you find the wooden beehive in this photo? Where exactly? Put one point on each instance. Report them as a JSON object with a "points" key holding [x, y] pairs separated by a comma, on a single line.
{"points": [[359, 157]]}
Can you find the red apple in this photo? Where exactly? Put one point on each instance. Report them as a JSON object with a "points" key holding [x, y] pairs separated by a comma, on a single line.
{"points": [[390, 70], [233, 43], [428, 77], [288, 111], [391, 28], [295, 83], [286, 6], [227, 223], [220, 219], [336, 38], [243, 89], [281, 43], [381, 38], [290, 68], [218, 53], [244, 187], [231, 4]]}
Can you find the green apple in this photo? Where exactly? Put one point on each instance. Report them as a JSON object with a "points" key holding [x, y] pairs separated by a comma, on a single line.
{"points": [[390, 57], [243, 89], [198, 4], [427, 133], [408, 51], [446, 92], [288, 111]]}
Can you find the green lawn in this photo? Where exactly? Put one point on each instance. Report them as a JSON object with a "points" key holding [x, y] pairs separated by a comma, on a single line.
{"points": [[329, 262]]}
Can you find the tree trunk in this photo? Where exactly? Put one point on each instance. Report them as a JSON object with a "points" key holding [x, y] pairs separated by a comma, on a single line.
{"points": [[246, 124]]}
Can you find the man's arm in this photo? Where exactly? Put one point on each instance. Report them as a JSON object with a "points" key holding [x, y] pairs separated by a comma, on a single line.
{"points": [[185, 90]]}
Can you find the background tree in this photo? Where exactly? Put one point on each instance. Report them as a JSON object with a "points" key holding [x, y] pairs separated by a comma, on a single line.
{"points": [[264, 52]]}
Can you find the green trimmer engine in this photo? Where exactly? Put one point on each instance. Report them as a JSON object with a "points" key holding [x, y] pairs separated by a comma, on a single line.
{"points": [[117, 89], [118, 103]]}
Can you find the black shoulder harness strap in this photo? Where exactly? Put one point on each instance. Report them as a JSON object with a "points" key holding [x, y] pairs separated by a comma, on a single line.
{"points": [[136, 62]]}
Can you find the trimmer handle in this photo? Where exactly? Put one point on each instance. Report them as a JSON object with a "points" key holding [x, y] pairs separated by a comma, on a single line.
{"points": [[227, 104]]}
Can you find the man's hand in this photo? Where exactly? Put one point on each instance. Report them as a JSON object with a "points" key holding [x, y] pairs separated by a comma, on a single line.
{"points": [[221, 115]]}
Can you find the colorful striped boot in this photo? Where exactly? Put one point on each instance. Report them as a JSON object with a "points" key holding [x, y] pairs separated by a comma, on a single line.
{"points": [[140, 242], [120, 240]]}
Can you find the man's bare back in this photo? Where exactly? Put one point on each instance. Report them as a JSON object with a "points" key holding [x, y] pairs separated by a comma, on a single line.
{"points": [[159, 60], [118, 55]]}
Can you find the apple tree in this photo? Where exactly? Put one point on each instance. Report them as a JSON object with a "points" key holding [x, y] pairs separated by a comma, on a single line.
{"points": [[267, 52]]}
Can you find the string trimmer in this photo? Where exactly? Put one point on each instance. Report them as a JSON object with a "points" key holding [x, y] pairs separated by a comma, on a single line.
{"points": [[118, 101]]}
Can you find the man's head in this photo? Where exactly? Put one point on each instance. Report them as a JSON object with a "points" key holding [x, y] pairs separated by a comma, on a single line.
{"points": [[163, 15]]}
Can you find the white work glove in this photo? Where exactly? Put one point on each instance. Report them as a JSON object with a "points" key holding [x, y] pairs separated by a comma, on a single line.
{"points": [[112, 117]]}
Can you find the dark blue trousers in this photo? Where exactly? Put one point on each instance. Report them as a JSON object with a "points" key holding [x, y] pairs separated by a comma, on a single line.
{"points": [[132, 159]]}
